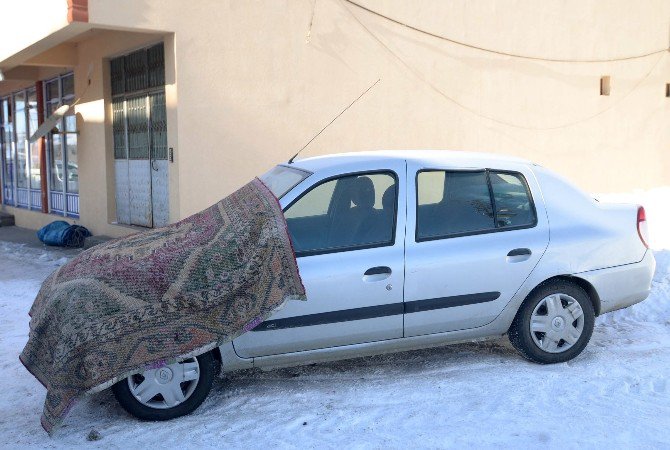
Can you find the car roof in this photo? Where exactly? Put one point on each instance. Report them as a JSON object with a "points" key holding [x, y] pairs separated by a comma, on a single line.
{"points": [[316, 163]]}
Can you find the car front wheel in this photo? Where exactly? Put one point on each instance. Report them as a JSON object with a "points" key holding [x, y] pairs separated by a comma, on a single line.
{"points": [[554, 323], [169, 391]]}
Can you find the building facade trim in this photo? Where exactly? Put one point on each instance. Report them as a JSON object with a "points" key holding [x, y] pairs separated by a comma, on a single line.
{"points": [[77, 11]]}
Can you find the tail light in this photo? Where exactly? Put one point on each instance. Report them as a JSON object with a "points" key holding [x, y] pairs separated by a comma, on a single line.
{"points": [[642, 229]]}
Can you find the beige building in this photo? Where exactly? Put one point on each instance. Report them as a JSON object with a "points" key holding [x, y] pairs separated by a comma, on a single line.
{"points": [[175, 104]]}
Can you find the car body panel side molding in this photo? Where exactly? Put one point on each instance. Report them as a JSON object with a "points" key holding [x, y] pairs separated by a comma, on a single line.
{"points": [[449, 302], [343, 315], [371, 312]]}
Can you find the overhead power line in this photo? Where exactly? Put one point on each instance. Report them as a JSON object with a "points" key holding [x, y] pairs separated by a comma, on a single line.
{"points": [[498, 52], [447, 97]]}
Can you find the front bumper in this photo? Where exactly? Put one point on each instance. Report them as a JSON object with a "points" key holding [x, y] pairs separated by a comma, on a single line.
{"points": [[622, 286]]}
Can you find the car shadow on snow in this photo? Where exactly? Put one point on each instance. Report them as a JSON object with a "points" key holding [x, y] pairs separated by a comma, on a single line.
{"points": [[455, 360], [102, 411], [237, 398]]}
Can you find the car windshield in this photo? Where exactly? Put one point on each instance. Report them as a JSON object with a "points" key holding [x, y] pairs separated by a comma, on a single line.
{"points": [[282, 179]]}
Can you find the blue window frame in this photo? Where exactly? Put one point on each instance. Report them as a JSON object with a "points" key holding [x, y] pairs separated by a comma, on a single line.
{"points": [[20, 159], [63, 171], [6, 151]]}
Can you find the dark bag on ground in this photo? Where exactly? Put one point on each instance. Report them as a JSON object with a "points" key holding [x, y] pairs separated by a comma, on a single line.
{"points": [[62, 234]]}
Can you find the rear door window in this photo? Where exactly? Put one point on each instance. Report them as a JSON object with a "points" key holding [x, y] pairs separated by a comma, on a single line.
{"points": [[452, 203], [459, 203]]}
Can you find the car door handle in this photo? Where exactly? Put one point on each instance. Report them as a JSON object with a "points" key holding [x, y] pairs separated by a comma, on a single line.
{"points": [[379, 270], [519, 252], [378, 273]]}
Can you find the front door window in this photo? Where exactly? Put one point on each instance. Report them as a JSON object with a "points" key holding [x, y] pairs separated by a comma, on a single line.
{"points": [[344, 213], [351, 261]]}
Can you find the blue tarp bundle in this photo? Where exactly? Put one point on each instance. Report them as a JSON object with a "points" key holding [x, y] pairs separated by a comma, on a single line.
{"points": [[63, 234]]}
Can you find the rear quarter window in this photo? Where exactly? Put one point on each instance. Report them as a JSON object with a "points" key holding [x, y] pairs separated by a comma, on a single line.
{"points": [[511, 197]]}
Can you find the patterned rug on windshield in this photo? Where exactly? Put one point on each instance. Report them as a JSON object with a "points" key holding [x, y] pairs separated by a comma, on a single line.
{"points": [[149, 299]]}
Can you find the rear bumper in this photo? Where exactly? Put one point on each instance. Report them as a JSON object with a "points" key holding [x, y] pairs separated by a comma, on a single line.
{"points": [[622, 286]]}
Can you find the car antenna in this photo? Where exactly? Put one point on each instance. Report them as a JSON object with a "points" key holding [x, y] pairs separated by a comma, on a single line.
{"points": [[290, 161]]}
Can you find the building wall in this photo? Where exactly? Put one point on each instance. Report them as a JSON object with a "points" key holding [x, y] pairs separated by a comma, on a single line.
{"points": [[256, 82], [253, 81], [94, 146]]}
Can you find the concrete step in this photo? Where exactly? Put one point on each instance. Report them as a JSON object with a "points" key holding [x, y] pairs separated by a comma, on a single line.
{"points": [[6, 220]]}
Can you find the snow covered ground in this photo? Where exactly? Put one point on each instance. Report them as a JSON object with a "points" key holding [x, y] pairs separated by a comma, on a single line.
{"points": [[616, 394]]}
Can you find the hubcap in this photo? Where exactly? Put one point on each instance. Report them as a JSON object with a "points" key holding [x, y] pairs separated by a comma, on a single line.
{"points": [[167, 386], [557, 323], [164, 375]]}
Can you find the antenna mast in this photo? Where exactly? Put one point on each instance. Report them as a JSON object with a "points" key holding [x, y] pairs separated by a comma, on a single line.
{"points": [[290, 161]]}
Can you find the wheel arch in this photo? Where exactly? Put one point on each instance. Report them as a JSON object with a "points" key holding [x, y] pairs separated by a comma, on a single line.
{"points": [[228, 360], [581, 282], [216, 352]]}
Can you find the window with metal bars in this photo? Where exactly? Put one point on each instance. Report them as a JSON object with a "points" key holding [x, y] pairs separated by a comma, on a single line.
{"points": [[139, 122], [138, 71], [139, 129]]}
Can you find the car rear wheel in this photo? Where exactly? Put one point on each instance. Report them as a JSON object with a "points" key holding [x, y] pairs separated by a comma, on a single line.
{"points": [[554, 323], [169, 391]]}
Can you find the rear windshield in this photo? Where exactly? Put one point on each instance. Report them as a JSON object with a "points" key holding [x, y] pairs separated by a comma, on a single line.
{"points": [[282, 179]]}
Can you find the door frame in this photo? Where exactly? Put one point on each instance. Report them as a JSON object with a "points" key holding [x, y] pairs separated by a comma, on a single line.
{"points": [[289, 322], [477, 302], [144, 94]]}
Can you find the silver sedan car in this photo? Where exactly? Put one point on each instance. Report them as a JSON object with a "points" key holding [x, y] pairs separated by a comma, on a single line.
{"points": [[408, 250]]}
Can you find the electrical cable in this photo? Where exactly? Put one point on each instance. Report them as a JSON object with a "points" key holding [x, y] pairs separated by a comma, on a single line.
{"points": [[498, 52], [418, 75]]}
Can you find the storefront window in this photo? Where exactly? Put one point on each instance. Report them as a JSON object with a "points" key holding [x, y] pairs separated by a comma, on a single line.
{"points": [[21, 148], [72, 168], [6, 152], [56, 163], [62, 148], [35, 178], [20, 159]]}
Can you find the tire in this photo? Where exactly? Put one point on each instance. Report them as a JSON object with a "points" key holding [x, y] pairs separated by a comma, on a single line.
{"points": [[552, 307], [157, 407]]}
